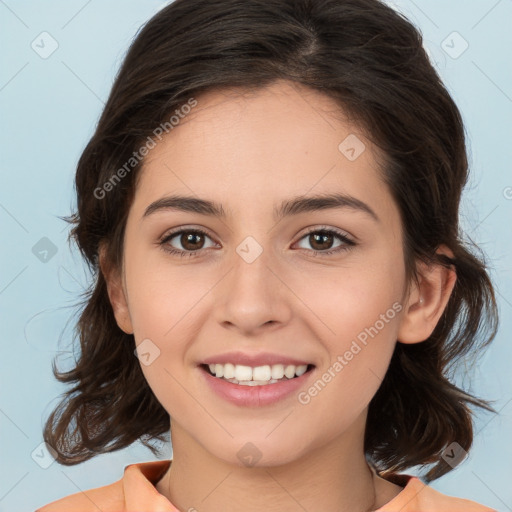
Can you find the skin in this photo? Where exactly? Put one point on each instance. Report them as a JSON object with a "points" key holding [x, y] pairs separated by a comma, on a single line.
{"points": [[249, 152]]}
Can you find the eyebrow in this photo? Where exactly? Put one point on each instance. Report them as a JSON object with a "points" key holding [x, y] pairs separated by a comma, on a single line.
{"points": [[289, 207]]}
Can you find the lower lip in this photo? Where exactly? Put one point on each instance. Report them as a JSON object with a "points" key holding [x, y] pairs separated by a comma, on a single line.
{"points": [[255, 396]]}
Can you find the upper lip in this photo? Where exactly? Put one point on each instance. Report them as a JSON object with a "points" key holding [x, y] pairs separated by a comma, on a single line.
{"points": [[259, 359]]}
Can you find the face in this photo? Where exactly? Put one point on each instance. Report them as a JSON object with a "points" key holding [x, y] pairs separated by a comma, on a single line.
{"points": [[323, 286]]}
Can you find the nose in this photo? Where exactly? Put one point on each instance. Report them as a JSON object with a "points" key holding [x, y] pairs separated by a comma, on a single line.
{"points": [[253, 295]]}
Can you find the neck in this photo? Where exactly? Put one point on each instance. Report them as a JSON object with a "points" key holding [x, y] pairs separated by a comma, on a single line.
{"points": [[334, 477]]}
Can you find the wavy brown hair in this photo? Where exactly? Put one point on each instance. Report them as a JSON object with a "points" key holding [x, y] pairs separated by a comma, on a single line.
{"points": [[371, 61]]}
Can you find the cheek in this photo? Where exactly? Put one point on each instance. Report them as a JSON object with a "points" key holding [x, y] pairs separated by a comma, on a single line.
{"points": [[163, 296], [365, 323], [344, 301], [168, 304], [356, 315]]}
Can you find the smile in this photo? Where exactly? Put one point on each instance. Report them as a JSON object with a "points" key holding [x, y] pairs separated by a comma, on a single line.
{"points": [[258, 375], [253, 390]]}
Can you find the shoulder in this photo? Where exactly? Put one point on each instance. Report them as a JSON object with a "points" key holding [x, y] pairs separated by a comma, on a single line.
{"points": [[419, 497], [134, 490], [108, 498]]}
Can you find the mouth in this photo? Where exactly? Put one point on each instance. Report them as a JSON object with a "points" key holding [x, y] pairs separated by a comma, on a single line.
{"points": [[256, 376]]}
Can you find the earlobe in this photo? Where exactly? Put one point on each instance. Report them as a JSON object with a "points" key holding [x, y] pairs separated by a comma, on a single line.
{"points": [[427, 300], [116, 293]]}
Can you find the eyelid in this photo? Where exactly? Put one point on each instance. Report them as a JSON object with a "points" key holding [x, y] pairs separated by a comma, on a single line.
{"points": [[173, 232], [338, 231], [310, 229], [346, 238]]}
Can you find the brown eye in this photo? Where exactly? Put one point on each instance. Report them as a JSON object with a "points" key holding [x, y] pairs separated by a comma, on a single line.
{"points": [[189, 242], [321, 241]]}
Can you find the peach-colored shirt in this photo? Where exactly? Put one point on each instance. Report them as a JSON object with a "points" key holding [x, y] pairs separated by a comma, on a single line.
{"points": [[136, 492]]}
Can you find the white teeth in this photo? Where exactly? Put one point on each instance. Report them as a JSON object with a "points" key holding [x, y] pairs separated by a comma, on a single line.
{"points": [[241, 372], [259, 375], [300, 370], [253, 382], [277, 371], [229, 371], [289, 371]]}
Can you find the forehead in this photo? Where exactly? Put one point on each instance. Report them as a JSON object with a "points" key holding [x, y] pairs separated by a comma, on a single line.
{"points": [[282, 140]]}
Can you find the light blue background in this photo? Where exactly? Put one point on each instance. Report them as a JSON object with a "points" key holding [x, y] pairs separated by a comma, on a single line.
{"points": [[49, 108]]}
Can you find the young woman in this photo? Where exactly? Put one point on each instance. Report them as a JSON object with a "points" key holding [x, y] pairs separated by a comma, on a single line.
{"points": [[270, 203]]}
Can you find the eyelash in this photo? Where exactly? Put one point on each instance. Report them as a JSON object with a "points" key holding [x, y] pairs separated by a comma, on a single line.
{"points": [[323, 230]]}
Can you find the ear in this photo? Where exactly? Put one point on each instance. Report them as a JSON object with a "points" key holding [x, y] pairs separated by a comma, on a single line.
{"points": [[427, 300], [116, 292]]}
